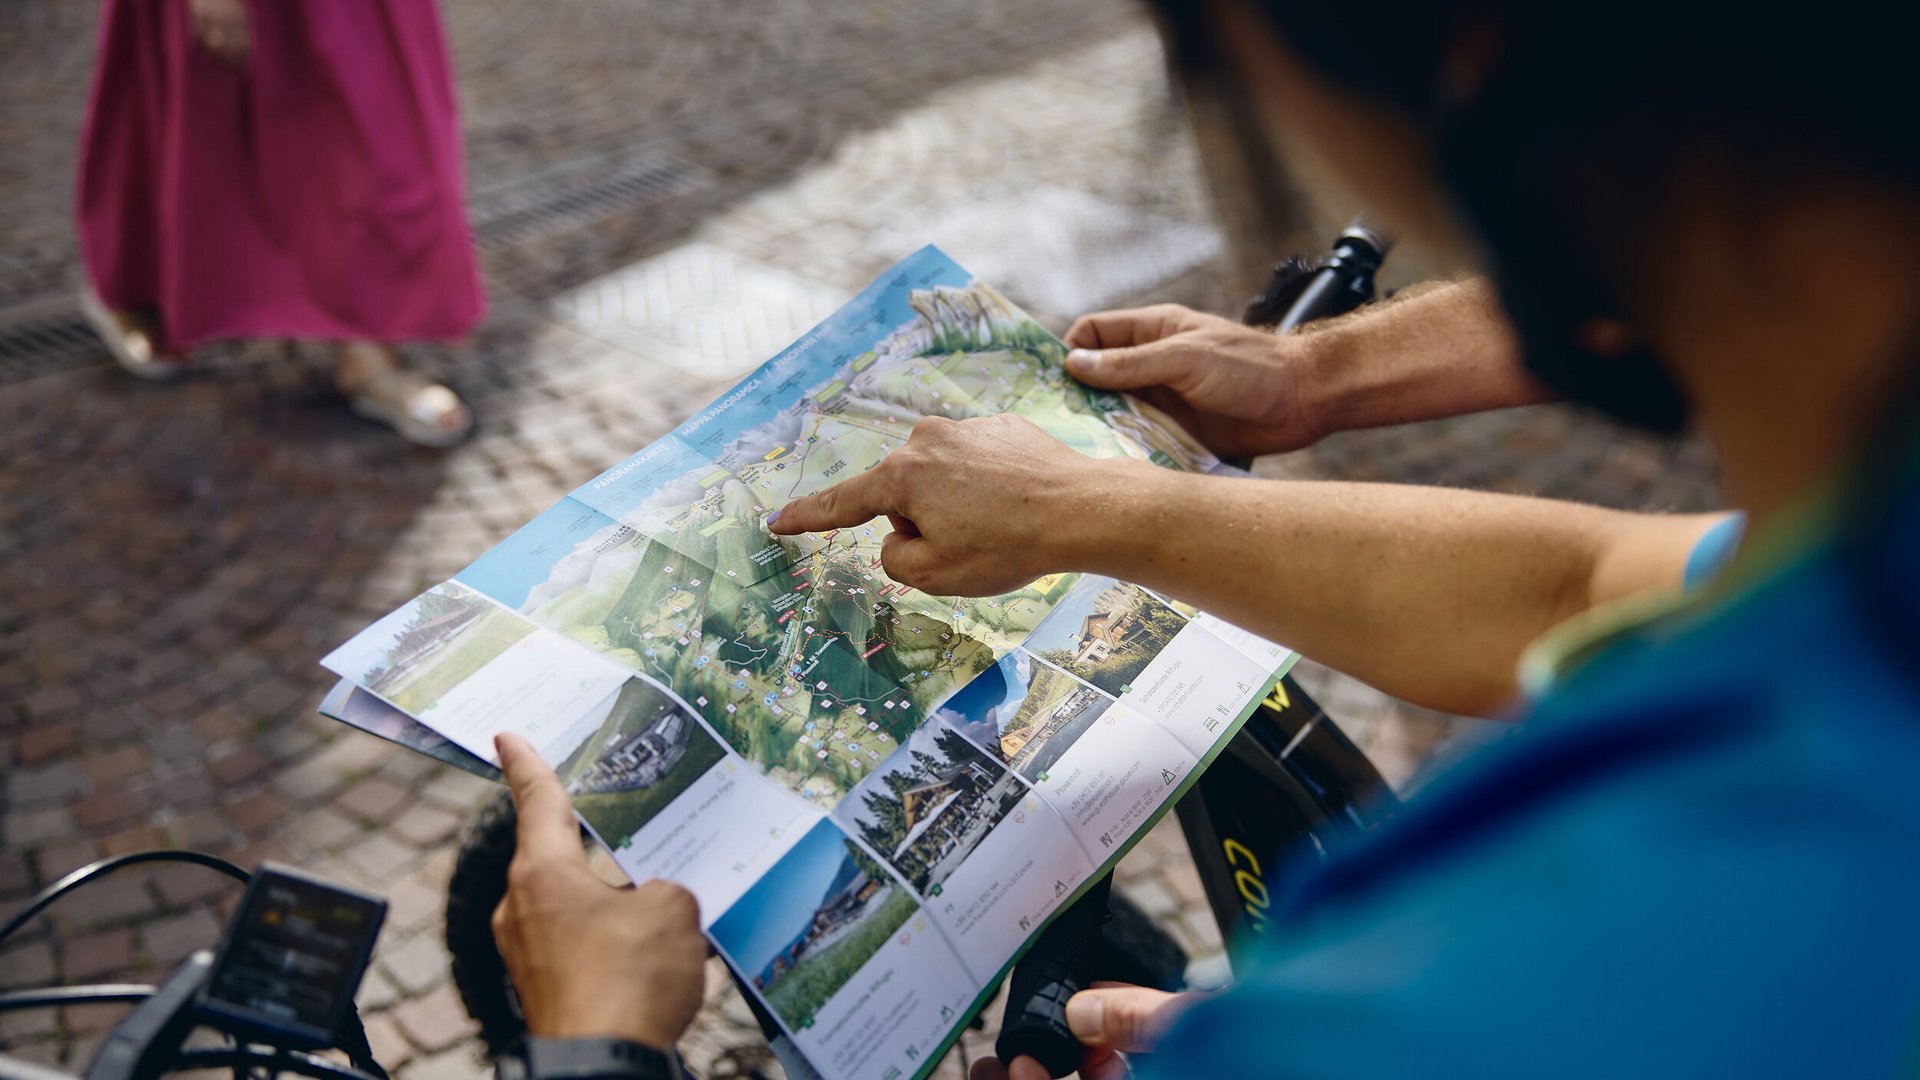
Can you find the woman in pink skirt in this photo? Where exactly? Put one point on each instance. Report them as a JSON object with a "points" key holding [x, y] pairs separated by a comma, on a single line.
{"points": [[280, 170]]}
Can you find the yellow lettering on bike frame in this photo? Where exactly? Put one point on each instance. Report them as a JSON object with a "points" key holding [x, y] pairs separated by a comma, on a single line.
{"points": [[1230, 846], [1278, 698]]}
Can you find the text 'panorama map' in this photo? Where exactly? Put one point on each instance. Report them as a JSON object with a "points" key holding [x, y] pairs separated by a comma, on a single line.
{"points": [[878, 796]]}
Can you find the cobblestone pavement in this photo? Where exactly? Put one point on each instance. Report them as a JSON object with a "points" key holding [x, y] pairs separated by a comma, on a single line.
{"points": [[174, 560]]}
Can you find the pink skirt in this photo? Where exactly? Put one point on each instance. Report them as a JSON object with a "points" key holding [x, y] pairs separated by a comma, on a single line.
{"points": [[319, 193]]}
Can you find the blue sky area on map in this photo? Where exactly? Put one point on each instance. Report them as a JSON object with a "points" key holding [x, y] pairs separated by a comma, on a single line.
{"points": [[782, 902], [514, 567], [510, 570]]}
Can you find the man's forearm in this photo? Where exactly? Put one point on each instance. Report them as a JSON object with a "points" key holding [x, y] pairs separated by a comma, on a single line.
{"points": [[1429, 594], [1444, 351]]}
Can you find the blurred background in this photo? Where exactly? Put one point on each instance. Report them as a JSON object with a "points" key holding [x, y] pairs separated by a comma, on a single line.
{"points": [[661, 196]]}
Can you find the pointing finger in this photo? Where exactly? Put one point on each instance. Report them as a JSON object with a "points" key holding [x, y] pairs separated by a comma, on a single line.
{"points": [[547, 828], [851, 502]]}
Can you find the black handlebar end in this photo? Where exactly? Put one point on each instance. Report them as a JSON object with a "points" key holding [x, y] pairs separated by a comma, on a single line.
{"points": [[1035, 1023]]}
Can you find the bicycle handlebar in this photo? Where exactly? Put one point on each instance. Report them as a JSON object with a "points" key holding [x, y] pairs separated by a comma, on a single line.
{"points": [[147, 1043]]}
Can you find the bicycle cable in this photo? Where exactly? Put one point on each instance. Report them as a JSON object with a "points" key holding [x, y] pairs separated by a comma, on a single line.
{"points": [[93, 870]]}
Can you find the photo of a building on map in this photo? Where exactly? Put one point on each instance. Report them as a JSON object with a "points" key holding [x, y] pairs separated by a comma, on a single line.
{"points": [[417, 654], [808, 925], [1025, 712], [930, 805], [1106, 632], [646, 752]]}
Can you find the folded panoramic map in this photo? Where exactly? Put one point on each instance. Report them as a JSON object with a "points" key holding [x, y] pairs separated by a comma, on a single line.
{"points": [[879, 796]]}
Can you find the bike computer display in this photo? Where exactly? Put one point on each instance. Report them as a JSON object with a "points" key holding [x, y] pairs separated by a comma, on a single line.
{"points": [[292, 956]]}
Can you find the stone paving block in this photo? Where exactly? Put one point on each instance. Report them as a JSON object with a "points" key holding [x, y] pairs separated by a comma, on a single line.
{"points": [[172, 701], [410, 769], [307, 782], [238, 766], [354, 753], [257, 813], [377, 992], [85, 957], [53, 702], [459, 1063], [137, 838], [374, 799], [115, 766], [108, 901], [16, 876], [28, 964], [1152, 895], [169, 940], [81, 1051], [416, 965], [435, 1020], [58, 860], [461, 792], [29, 829], [415, 905], [43, 743], [426, 825], [181, 886], [390, 1048], [201, 830], [321, 829], [57, 781], [24, 1026], [379, 857], [48, 1052]]}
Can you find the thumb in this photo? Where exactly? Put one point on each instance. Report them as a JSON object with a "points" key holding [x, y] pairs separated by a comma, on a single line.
{"points": [[1128, 1018], [1131, 368], [855, 501]]}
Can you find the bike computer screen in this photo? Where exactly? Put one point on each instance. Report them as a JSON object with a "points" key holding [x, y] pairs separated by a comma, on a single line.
{"points": [[293, 955]]}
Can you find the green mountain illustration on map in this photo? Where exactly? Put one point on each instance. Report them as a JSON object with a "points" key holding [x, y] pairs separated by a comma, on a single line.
{"points": [[801, 652]]}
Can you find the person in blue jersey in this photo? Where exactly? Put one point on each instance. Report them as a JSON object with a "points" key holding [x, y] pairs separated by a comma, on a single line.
{"points": [[1693, 853]]}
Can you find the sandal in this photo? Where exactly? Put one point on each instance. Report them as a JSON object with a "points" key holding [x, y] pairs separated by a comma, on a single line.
{"points": [[422, 411], [130, 340]]}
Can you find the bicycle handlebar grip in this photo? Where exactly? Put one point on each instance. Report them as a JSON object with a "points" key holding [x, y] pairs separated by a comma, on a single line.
{"points": [[1035, 1023]]}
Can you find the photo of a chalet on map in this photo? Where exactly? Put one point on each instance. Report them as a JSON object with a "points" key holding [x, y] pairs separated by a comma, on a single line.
{"points": [[1106, 632], [929, 805], [808, 925]]}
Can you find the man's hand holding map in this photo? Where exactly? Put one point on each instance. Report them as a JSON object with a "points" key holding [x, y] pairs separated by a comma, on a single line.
{"points": [[878, 795]]}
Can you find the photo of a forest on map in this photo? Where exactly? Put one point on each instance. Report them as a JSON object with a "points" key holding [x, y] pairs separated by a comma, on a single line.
{"points": [[809, 924], [929, 805], [646, 752], [1106, 632]]}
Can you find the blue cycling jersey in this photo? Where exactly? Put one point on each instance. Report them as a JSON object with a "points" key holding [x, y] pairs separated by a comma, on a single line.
{"points": [[1698, 856]]}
